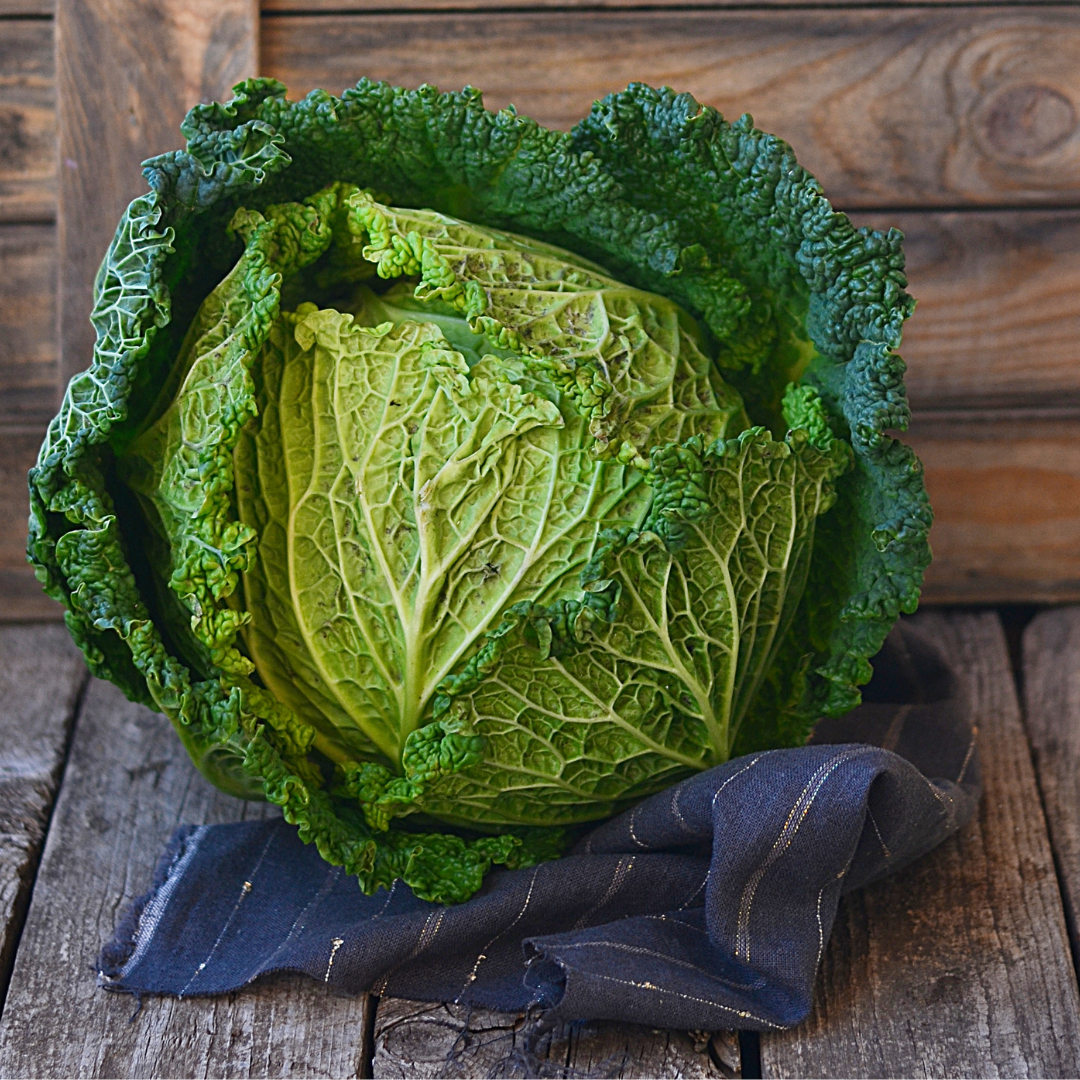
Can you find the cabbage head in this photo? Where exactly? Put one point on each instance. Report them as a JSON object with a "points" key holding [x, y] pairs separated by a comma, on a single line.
{"points": [[450, 482]]}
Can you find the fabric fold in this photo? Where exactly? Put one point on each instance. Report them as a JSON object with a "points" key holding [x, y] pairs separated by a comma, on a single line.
{"points": [[707, 906]]}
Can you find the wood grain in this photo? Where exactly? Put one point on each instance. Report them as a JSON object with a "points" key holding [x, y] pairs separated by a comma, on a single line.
{"points": [[15, 8], [128, 784], [998, 319], [41, 674], [417, 1040], [887, 107], [29, 373], [1052, 709], [127, 71], [960, 965], [27, 121], [1006, 499]]}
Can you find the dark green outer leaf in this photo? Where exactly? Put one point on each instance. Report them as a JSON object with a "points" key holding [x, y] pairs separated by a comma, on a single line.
{"points": [[662, 191]]}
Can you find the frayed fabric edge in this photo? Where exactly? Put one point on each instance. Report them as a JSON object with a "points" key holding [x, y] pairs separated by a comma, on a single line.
{"points": [[136, 928]]}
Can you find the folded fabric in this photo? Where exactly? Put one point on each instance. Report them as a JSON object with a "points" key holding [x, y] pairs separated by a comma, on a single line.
{"points": [[707, 906]]}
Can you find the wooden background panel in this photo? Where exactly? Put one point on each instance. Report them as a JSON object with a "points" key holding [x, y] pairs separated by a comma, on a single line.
{"points": [[999, 290], [998, 321], [28, 368], [20, 594], [998, 318], [888, 107], [1006, 498], [127, 75], [27, 121], [29, 389]]}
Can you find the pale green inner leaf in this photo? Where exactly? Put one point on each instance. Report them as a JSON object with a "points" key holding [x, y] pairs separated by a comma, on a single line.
{"points": [[373, 491], [635, 702]]}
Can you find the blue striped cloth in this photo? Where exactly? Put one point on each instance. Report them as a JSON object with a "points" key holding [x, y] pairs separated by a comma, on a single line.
{"points": [[707, 906]]}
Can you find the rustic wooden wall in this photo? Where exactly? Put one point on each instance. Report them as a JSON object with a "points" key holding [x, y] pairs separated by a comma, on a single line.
{"points": [[957, 123], [88, 90], [29, 372]]}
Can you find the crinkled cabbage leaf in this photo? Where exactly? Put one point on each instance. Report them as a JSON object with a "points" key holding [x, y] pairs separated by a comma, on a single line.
{"points": [[449, 481]]}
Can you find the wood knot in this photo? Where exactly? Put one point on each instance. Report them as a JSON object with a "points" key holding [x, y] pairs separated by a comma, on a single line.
{"points": [[1028, 120]]}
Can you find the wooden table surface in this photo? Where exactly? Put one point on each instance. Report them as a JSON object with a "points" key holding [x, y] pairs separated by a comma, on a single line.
{"points": [[960, 965]]}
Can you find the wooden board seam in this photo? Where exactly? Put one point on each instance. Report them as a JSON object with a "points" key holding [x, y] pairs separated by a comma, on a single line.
{"points": [[1059, 875], [1030, 679], [367, 1063], [28, 897]]}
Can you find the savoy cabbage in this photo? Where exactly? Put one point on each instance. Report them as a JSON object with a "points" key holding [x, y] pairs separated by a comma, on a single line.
{"points": [[447, 480]]}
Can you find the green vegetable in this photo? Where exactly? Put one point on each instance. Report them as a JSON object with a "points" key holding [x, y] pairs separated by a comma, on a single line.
{"points": [[445, 537]]}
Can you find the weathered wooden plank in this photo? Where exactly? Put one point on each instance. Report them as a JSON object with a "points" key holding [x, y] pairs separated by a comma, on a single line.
{"points": [[887, 107], [128, 784], [28, 364], [1052, 709], [127, 71], [16, 8], [41, 674], [998, 320], [960, 965], [27, 121], [417, 1040], [1006, 498], [21, 598]]}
